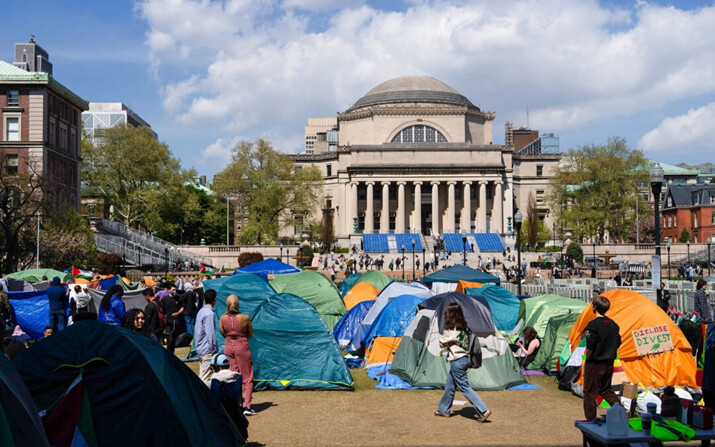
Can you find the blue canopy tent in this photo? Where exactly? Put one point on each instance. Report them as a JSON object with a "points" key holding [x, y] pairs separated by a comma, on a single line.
{"points": [[456, 272], [267, 267]]}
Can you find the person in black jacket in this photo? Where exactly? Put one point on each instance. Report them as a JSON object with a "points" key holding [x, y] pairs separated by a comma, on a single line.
{"points": [[151, 312], [173, 311], [602, 342]]}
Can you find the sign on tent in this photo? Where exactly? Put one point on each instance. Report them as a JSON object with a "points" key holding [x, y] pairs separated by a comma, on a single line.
{"points": [[652, 340]]}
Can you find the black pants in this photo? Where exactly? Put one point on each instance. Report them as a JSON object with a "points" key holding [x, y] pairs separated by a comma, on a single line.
{"points": [[170, 334], [597, 380]]}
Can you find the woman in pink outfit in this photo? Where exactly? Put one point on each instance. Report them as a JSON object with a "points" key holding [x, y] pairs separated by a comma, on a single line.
{"points": [[237, 329]]}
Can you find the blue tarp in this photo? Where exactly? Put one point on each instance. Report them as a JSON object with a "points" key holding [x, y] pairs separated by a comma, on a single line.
{"points": [[106, 284], [32, 310], [394, 318], [267, 267], [503, 303], [387, 381], [347, 327]]}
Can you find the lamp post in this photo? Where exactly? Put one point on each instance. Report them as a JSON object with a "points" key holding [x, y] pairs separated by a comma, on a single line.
{"points": [[710, 241], [518, 219], [424, 266], [166, 256], [656, 184], [280, 245], [464, 247], [688, 244], [667, 246], [593, 260], [402, 261], [413, 259]]}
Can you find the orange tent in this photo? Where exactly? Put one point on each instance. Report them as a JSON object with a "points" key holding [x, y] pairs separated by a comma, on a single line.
{"points": [[632, 311], [382, 350], [360, 292], [462, 285]]}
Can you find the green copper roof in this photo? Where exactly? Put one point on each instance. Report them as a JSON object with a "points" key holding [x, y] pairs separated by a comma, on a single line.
{"points": [[673, 170], [11, 73]]}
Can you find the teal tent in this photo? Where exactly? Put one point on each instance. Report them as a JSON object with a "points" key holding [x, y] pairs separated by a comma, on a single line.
{"points": [[134, 392], [19, 423], [291, 345], [316, 289], [456, 272], [503, 303], [348, 283]]}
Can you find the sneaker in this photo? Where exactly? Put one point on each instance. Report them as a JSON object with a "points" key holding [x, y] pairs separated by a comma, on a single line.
{"points": [[485, 416], [440, 414], [249, 412]]}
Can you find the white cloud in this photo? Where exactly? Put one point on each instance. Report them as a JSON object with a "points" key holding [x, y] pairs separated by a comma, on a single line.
{"points": [[218, 154], [256, 67], [685, 134]]}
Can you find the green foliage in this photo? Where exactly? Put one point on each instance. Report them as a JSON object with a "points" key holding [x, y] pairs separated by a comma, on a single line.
{"points": [[66, 240], [543, 234], [575, 251], [595, 189], [248, 258], [307, 255], [684, 236], [269, 189]]}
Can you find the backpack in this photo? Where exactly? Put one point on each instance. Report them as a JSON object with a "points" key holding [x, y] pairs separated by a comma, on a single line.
{"points": [[474, 351], [160, 315]]}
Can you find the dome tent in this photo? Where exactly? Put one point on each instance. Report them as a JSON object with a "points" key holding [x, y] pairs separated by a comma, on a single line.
{"points": [[503, 304], [374, 277], [363, 291], [267, 267], [124, 373], [383, 336], [345, 330], [21, 426], [316, 289]]}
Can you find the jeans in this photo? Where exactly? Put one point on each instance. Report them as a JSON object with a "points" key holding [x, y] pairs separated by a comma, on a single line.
{"points": [[458, 375], [190, 321], [57, 319]]}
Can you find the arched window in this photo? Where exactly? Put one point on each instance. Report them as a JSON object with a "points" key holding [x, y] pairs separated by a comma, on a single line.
{"points": [[419, 134]]}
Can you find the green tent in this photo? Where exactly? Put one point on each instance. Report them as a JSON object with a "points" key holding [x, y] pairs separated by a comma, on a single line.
{"points": [[557, 335], [317, 290], [537, 311], [418, 361], [291, 345], [128, 390], [375, 277], [35, 275]]}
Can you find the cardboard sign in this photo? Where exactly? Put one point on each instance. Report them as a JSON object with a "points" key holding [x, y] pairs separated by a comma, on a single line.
{"points": [[652, 340]]}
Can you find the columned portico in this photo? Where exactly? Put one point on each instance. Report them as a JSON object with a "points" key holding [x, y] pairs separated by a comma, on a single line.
{"points": [[435, 208], [467, 207], [353, 202], [417, 215], [497, 212], [369, 208], [482, 210], [385, 213], [400, 216], [450, 207]]}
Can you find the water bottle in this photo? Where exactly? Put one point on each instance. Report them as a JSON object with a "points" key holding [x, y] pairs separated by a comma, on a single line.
{"points": [[617, 420]]}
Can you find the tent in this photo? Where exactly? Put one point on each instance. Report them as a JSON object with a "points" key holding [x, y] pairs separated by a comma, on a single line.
{"points": [[315, 289], [358, 293], [291, 346], [345, 330], [35, 275], [418, 361], [19, 423], [391, 291], [389, 327], [118, 383], [503, 304], [537, 311], [348, 283], [32, 310], [16, 285], [553, 341], [462, 285], [375, 277], [267, 267], [634, 312], [448, 278]]}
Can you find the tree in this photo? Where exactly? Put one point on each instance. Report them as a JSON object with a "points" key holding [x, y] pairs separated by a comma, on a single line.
{"points": [[66, 240], [269, 188], [595, 189], [684, 236], [646, 232], [532, 221], [248, 258], [575, 251], [543, 234], [137, 175]]}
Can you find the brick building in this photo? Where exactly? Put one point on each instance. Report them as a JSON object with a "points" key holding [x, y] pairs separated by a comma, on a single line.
{"points": [[40, 125], [690, 207]]}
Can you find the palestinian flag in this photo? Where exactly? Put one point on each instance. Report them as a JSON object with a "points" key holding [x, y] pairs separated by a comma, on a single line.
{"points": [[69, 422], [79, 273], [206, 269]]}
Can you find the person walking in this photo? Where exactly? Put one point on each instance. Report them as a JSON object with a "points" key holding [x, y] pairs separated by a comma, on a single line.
{"points": [[237, 329], [700, 302], [455, 339], [57, 296], [205, 334]]}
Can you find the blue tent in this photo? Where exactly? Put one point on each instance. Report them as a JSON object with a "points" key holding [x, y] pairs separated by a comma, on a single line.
{"points": [[291, 345], [267, 267], [347, 327], [503, 303], [394, 318], [32, 310]]}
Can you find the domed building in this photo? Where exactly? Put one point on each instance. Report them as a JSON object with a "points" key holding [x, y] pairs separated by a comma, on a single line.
{"points": [[414, 156]]}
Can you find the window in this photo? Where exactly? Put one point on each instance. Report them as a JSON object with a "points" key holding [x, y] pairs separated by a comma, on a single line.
{"points": [[63, 137], [298, 229], [540, 197], [328, 203], [539, 170], [712, 218], [419, 134], [13, 98], [670, 221], [51, 135], [675, 220], [330, 170], [11, 162], [695, 221], [12, 132], [670, 201]]}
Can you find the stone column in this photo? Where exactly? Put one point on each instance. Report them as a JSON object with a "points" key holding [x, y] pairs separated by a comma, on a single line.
{"points": [[353, 204], [417, 219], [435, 208], [369, 209], [467, 207], [450, 207], [385, 213], [482, 213], [497, 206], [400, 216]]}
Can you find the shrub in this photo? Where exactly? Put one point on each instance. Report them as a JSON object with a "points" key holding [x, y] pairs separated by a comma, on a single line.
{"points": [[248, 258], [575, 252], [108, 263]]}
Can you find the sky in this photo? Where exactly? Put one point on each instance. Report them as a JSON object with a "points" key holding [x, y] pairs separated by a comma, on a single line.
{"points": [[208, 74]]}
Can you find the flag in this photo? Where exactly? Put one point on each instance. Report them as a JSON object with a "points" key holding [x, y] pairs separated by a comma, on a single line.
{"points": [[69, 422], [206, 269], [79, 273]]}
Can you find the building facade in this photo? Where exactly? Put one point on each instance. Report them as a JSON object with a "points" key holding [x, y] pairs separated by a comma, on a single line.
{"points": [[102, 115], [40, 125], [689, 207], [416, 156]]}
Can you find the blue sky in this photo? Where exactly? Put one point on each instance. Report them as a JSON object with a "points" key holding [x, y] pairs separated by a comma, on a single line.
{"points": [[206, 74]]}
